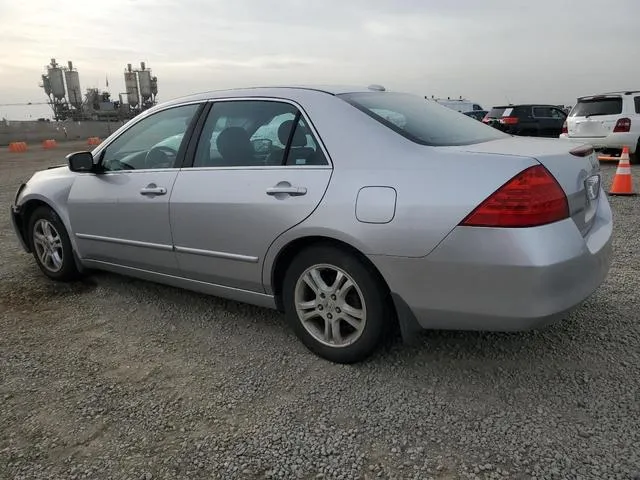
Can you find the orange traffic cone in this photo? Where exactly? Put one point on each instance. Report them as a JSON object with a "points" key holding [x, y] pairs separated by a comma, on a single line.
{"points": [[622, 181]]}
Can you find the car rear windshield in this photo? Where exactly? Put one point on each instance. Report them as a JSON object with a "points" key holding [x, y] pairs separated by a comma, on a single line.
{"points": [[496, 112], [420, 120], [597, 106]]}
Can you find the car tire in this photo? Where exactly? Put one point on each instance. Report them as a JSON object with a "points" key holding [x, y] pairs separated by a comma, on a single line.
{"points": [[336, 304], [51, 246], [634, 158]]}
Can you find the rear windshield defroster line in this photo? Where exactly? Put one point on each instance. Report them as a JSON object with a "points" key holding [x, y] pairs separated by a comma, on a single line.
{"points": [[421, 120]]}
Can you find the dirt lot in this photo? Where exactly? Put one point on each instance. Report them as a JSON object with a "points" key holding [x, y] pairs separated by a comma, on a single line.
{"points": [[123, 379]]}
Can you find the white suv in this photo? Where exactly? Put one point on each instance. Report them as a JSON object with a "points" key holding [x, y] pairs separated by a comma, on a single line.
{"points": [[608, 122]]}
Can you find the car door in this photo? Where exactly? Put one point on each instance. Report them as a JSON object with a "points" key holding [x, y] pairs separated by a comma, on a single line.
{"points": [[549, 120], [258, 170], [558, 118], [120, 214]]}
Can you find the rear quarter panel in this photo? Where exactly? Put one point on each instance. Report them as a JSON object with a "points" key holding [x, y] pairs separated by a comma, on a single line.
{"points": [[436, 186]]}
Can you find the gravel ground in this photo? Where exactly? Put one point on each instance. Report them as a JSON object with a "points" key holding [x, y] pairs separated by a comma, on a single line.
{"points": [[119, 378]]}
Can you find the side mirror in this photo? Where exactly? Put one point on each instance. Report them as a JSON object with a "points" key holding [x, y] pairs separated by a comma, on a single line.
{"points": [[81, 162]]}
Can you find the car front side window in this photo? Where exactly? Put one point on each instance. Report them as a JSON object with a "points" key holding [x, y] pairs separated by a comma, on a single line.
{"points": [[151, 143]]}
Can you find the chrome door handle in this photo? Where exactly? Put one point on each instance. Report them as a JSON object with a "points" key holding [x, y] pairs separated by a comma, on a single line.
{"points": [[293, 191], [152, 189]]}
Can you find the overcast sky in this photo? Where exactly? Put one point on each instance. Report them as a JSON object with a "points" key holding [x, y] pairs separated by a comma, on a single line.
{"points": [[491, 51]]}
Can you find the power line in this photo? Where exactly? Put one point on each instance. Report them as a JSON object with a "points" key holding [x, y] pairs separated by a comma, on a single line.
{"points": [[22, 104]]}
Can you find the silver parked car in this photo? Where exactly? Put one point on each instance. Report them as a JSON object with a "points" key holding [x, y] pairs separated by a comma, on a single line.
{"points": [[350, 209]]}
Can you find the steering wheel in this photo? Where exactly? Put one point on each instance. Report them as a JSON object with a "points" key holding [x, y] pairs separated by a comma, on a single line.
{"points": [[160, 157]]}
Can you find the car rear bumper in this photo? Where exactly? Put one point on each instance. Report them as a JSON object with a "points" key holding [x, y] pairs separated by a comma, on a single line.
{"points": [[501, 279], [613, 140]]}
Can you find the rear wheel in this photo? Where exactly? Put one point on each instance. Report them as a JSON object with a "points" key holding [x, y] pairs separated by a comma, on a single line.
{"points": [[51, 245], [335, 303], [635, 157]]}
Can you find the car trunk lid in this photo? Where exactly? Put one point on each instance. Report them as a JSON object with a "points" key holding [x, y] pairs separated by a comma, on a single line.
{"points": [[579, 176]]}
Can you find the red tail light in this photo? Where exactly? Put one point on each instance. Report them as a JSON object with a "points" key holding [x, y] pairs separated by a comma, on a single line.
{"points": [[530, 199], [623, 125], [565, 128], [509, 120]]}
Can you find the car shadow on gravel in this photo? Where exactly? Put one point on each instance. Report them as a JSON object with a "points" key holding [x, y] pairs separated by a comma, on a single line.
{"points": [[32, 291], [581, 332]]}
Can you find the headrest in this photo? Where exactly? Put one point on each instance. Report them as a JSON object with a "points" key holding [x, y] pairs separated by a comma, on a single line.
{"points": [[299, 138], [233, 139]]}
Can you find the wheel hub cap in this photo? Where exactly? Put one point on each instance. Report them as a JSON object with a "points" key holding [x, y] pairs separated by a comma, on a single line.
{"points": [[48, 245], [330, 305]]}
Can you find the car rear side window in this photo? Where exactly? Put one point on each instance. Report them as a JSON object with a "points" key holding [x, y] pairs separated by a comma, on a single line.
{"points": [[597, 106], [637, 102], [421, 120], [522, 111], [542, 112], [255, 133]]}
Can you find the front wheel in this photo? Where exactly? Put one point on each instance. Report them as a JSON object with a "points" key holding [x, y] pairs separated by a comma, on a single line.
{"points": [[336, 304], [51, 245]]}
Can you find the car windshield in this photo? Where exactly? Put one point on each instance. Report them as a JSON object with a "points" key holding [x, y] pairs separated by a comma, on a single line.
{"points": [[597, 106], [422, 121]]}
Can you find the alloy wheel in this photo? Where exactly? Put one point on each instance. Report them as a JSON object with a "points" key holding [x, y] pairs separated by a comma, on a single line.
{"points": [[48, 245], [330, 305]]}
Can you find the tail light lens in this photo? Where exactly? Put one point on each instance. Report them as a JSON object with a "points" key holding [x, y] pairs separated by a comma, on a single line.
{"points": [[623, 125], [565, 128], [530, 199], [509, 120]]}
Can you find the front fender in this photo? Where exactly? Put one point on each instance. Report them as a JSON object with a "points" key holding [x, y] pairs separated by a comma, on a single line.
{"points": [[51, 188]]}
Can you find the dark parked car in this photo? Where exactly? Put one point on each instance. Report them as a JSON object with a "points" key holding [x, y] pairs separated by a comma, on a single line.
{"points": [[527, 120], [477, 114]]}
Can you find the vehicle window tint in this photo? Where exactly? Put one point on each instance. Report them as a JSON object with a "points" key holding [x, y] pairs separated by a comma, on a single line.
{"points": [[521, 112], [270, 131], [637, 102], [303, 148], [597, 106], [253, 133], [496, 112], [422, 121], [150, 143], [542, 112], [557, 113]]}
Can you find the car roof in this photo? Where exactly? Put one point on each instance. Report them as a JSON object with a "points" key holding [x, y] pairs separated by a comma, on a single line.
{"points": [[618, 93], [276, 90], [527, 105]]}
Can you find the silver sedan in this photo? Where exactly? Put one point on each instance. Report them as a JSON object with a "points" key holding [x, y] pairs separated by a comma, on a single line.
{"points": [[352, 210]]}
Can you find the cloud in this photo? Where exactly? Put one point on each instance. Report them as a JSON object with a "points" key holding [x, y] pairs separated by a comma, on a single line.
{"points": [[265, 62], [546, 51]]}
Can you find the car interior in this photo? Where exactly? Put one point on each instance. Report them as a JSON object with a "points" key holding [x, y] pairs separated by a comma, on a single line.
{"points": [[253, 141]]}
